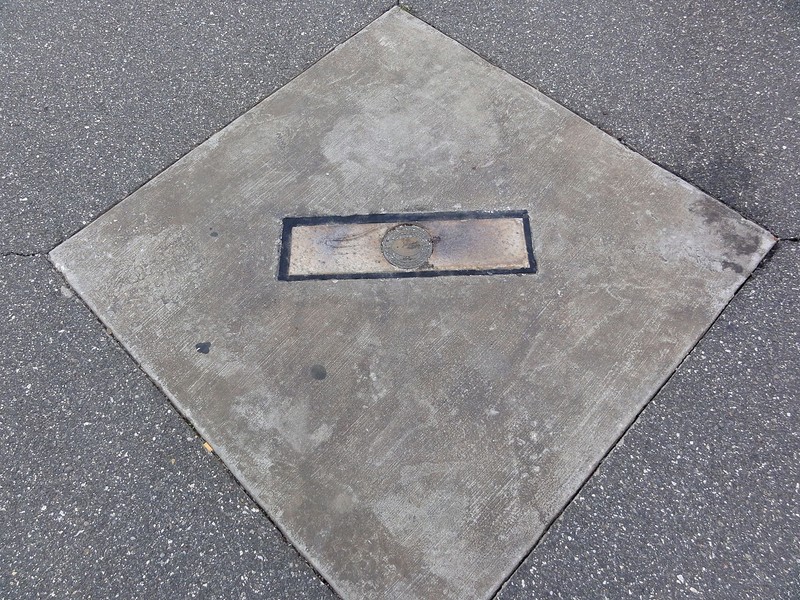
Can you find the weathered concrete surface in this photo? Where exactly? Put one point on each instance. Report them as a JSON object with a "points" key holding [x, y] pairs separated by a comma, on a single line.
{"points": [[412, 437]]}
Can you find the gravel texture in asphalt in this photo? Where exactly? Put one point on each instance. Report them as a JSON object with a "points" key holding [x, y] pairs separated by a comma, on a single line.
{"points": [[105, 491], [701, 498], [709, 90]]}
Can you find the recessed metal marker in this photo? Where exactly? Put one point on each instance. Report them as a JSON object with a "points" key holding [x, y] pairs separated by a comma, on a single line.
{"points": [[406, 245], [412, 437]]}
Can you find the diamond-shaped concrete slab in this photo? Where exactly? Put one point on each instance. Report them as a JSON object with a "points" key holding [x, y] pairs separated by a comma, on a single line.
{"points": [[413, 437]]}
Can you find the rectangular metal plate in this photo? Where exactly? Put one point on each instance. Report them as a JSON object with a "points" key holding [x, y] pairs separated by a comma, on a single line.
{"points": [[463, 243]]}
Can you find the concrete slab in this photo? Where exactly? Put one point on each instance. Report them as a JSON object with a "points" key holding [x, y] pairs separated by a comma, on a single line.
{"points": [[413, 437], [700, 499]]}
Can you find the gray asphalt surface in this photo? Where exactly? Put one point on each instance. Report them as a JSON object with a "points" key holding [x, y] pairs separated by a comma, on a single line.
{"points": [[97, 98], [702, 497], [709, 90]]}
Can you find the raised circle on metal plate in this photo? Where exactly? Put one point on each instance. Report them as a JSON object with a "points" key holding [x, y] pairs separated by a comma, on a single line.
{"points": [[407, 246]]}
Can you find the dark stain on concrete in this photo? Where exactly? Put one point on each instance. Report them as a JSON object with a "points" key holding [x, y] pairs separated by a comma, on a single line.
{"points": [[726, 264]]}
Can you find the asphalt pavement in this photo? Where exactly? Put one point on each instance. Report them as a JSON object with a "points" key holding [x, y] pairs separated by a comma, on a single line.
{"points": [[106, 492]]}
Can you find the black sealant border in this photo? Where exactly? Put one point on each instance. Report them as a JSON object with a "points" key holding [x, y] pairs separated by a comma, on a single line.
{"points": [[290, 223]]}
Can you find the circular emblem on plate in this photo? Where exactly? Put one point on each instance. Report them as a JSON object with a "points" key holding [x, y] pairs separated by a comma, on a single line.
{"points": [[407, 246]]}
